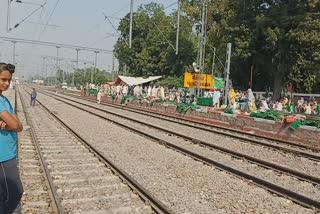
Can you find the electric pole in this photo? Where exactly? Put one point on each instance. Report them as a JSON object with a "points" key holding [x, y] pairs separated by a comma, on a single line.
{"points": [[228, 57], [212, 70], [113, 67], [201, 44], [131, 20], [8, 16], [178, 28], [77, 66], [95, 65], [57, 65], [46, 73], [43, 67]]}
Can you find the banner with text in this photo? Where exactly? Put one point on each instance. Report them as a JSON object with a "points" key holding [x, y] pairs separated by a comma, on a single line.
{"points": [[191, 80]]}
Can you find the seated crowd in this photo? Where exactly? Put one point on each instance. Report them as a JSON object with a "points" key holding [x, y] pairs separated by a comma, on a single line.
{"points": [[247, 101], [238, 101]]}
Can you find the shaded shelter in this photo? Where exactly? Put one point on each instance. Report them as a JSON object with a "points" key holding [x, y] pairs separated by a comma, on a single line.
{"points": [[132, 81]]}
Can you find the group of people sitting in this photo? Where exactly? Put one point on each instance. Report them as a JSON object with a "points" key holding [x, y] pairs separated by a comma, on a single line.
{"points": [[300, 106], [247, 101], [287, 105], [237, 100], [148, 93]]}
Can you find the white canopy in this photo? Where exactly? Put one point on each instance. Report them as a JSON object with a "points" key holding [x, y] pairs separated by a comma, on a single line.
{"points": [[135, 80]]}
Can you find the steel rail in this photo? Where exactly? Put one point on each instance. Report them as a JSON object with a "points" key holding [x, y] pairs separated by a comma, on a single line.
{"points": [[53, 193], [156, 205], [290, 143], [246, 140], [203, 127], [296, 197]]}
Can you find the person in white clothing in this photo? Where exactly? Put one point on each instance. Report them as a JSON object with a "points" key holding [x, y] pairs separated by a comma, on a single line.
{"points": [[136, 91], [125, 90], [216, 97], [118, 88], [264, 106], [308, 109], [99, 95], [279, 106], [149, 91], [162, 92]]}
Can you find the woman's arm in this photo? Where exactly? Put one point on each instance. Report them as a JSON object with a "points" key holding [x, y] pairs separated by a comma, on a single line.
{"points": [[12, 121]]}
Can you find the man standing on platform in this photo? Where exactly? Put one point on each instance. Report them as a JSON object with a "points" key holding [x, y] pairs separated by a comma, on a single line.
{"points": [[33, 97]]}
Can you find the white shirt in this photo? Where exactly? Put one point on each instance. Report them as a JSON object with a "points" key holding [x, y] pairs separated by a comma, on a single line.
{"points": [[125, 89], [216, 95]]}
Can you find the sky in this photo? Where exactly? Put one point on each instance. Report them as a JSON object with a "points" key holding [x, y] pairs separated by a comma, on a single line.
{"points": [[73, 22]]}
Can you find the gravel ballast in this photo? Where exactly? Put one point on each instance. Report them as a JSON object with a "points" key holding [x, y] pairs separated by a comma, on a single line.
{"points": [[187, 186]]}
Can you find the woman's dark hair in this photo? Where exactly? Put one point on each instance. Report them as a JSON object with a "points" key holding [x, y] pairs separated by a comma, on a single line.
{"points": [[7, 67]]}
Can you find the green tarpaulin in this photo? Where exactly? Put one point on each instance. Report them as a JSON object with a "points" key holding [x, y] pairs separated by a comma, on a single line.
{"points": [[172, 102], [92, 91], [156, 101], [269, 115], [114, 96], [228, 111], [123, 99], [183, 107], [296, 124], [202, 101]]}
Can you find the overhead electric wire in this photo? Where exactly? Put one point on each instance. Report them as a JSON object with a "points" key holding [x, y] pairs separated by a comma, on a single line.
{"points": [[107, 18], [164, 36], [28, 16], [54, 44], [39, 20], [49, 18], [170, 5], [99, 40], [37, 23], [111, 17]]}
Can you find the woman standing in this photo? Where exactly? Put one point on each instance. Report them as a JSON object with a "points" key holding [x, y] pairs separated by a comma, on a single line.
{"points": [[251, 101], [10, 185]]}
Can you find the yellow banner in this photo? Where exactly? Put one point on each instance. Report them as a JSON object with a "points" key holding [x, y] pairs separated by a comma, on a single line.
{"points": [[191, 80]]}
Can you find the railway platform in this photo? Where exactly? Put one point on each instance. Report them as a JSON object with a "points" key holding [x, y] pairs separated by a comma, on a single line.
{"points": [[257, 126]]}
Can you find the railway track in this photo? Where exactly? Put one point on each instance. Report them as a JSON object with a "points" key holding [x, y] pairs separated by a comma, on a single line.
{"points": [[81, 179], [314, 154], [300, 199], [37, 197], [290, 146]]}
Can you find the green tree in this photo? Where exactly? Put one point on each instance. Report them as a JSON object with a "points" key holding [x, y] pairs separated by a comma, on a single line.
{"points": [[171, 82], [153, 43], [83, 76], [280, 42], [279, 38]]}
